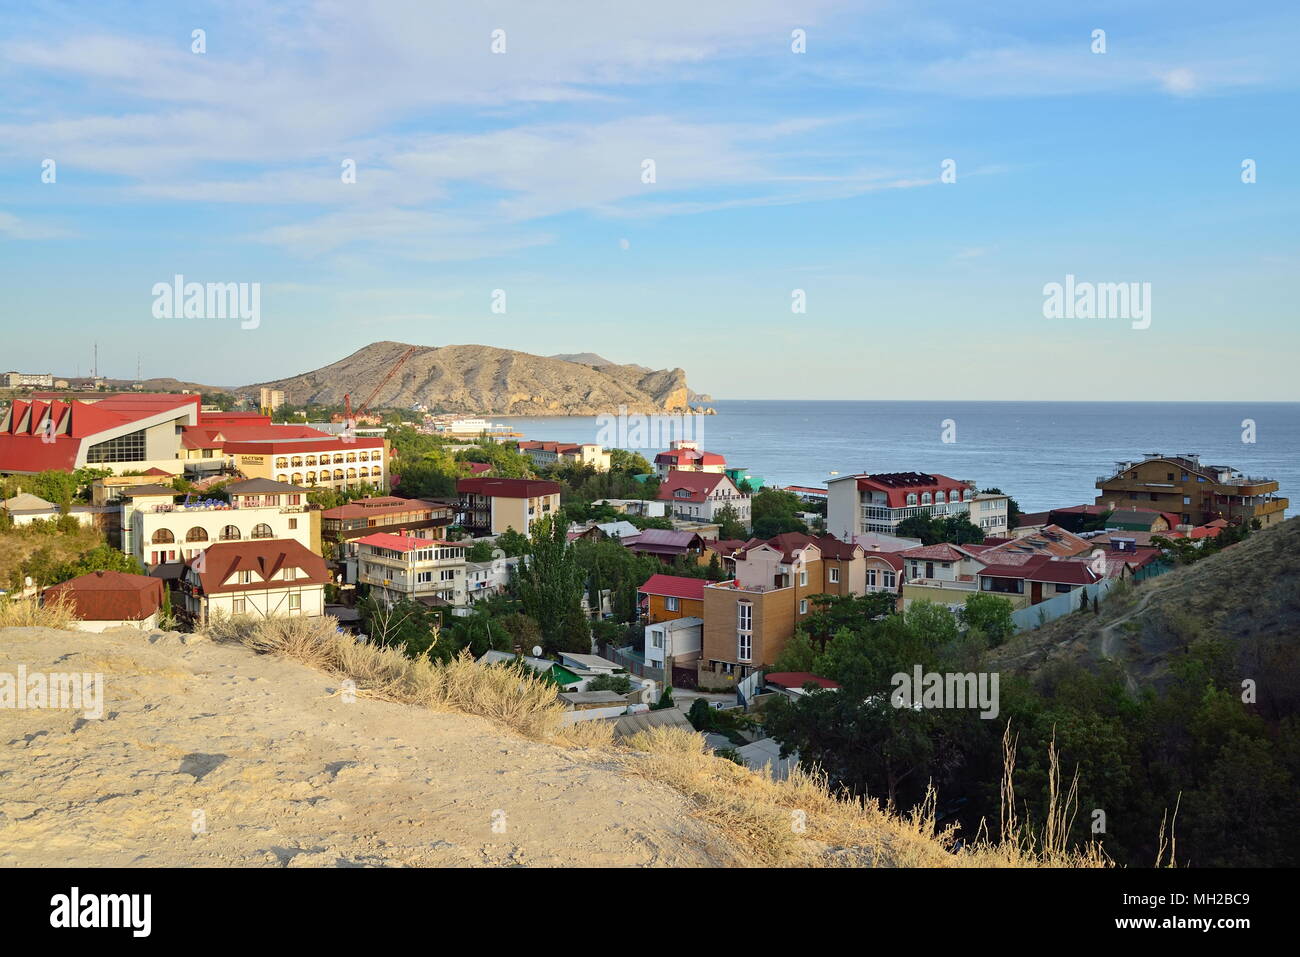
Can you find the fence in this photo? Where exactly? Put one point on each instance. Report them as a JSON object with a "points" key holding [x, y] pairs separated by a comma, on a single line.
{"points": [[1035, 615], [634, 663]]}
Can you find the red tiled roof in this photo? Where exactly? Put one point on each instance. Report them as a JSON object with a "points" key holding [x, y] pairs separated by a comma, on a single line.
{"points": [[898, 485], [267, 557], [700, 485], [942, 552], [890, 558], [479, 468], [674, 586], [111, 596], [25, 446], [507, 487], [689, 457], [403, 543]]}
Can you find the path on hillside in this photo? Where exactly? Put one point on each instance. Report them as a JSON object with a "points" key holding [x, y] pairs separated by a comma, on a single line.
{"points": [[210, 755], [1109, 644]]}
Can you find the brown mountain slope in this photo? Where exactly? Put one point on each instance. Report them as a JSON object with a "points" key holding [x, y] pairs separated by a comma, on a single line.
{"points": [[1247, 595], [485, 379]]}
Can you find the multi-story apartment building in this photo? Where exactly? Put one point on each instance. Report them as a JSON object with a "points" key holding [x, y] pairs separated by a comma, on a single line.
{"points": [[862, 503], [398, 567], [699, 496], [157, 529], [1196, 493], [989, 513], [748, 619], [687, 456], [489, 506], [549, 453], [266, 579], [344, 525], [29, 380]]}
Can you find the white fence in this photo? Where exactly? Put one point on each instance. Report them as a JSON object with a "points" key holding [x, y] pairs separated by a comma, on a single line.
{"points": [[1040, 614]]}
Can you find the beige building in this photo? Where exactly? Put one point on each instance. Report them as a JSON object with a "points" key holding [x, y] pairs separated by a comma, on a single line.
{"points": [[549, 453], [269, 578], [1196, 493], [398, 567], [489, 506], [157, 529]]}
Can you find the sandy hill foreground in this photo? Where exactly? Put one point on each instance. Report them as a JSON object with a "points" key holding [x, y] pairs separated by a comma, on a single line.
{"points": [[286, 773]]}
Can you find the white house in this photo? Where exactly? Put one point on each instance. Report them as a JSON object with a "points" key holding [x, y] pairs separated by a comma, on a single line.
{"points": [[267, 578], [679, 640], [398, 567]]}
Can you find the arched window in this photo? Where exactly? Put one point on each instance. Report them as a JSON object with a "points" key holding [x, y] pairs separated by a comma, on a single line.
{"points": [[262, 531], [282, 478], [925, 498], [352, 456], [363, 472], [196, 534], [297, 478], [230, 534], [352, 473], [297, 461], [282, 463], [311, 460], [163, 536], [311, 478], [939, 499], [338, 459], [911, 498], [338, 475]]}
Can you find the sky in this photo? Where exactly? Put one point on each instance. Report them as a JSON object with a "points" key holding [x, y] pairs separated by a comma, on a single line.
{"points": [[913, 174]]}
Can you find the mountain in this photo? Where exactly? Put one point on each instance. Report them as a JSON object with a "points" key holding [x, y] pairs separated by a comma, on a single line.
{"points": [[1246, 597], [487, 380], [600, 362]]}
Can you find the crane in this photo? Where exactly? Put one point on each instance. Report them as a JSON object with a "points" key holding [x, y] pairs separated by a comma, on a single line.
{"points": [[348, 415]]}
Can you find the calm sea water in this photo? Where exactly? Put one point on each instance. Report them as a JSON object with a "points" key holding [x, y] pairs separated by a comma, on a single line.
{"points": [[1044, 454]]}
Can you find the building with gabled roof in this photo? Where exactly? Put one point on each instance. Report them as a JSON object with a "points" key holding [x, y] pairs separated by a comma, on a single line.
{"points": [[701, 496], [266, 578], [687, 456], [862, 503]]}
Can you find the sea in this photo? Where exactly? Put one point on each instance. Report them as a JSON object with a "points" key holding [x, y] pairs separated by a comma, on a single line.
{"points": [[1043, 454]]}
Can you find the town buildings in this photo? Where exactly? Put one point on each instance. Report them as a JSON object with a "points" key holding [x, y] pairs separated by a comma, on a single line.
{"points": [[404, 567], [28, 380], [748, 619], [669, 597], [1195, 492], [687, 456], [264, 578], [878, 503], [489, 506], [157, 529], [700, 496], [574, 453], [106, 599], [343, 525]]}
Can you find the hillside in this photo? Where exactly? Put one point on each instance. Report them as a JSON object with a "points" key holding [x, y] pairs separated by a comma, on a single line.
{"points": [[488, 380], [1247, 596], [248, 749]]}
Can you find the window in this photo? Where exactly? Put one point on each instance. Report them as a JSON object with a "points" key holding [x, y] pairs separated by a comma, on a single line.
{"points": [[230, 534], [124, 448], [1187, 500], [744, 616], [835, 576], [803, 606], [295, 602], [925, 498], [163, 536], [293, 523], [671, 603], [744, 646], [262, 530], [871, 576], [196, 534], [657, 639], [911, 498], [890, 579], [939, 498], [245, 578], [423, 578], [803, 577], [238, 605]]}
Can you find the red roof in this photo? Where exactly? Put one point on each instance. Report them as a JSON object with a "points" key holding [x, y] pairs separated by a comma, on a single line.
{"points": [[699, 485], [898, 485], [380, 505], [674, 586], [480, 468], [403, 543], [28, 444], [890, 558], [797, 679], [507, 487], [679, 457], [288, 443], [267, 557], [111, 596], [943, 552]]}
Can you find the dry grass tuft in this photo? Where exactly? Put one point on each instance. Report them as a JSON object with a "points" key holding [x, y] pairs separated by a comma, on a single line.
{"points": [[511, 696], [58, 612]]}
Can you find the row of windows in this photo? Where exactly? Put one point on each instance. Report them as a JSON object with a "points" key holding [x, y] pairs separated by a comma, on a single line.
{"points": [[939, 498], [338, 475], [298, 461], [230, 533], [124, 448]]}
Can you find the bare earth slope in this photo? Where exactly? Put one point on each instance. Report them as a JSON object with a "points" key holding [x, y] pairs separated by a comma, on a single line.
{"points": [[485, 379], [1247, 596], [288, 774]]}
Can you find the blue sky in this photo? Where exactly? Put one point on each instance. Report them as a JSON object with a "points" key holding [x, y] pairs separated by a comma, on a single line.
{"points": [[775, 171]]}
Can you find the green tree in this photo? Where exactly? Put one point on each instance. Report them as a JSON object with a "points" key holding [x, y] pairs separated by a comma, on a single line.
{"points": [[729, 524], [550, 589], [990, 615], [774, 511]]}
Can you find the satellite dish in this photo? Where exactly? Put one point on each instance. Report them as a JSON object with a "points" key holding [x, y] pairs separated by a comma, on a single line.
{"points": [[537, 651]]}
